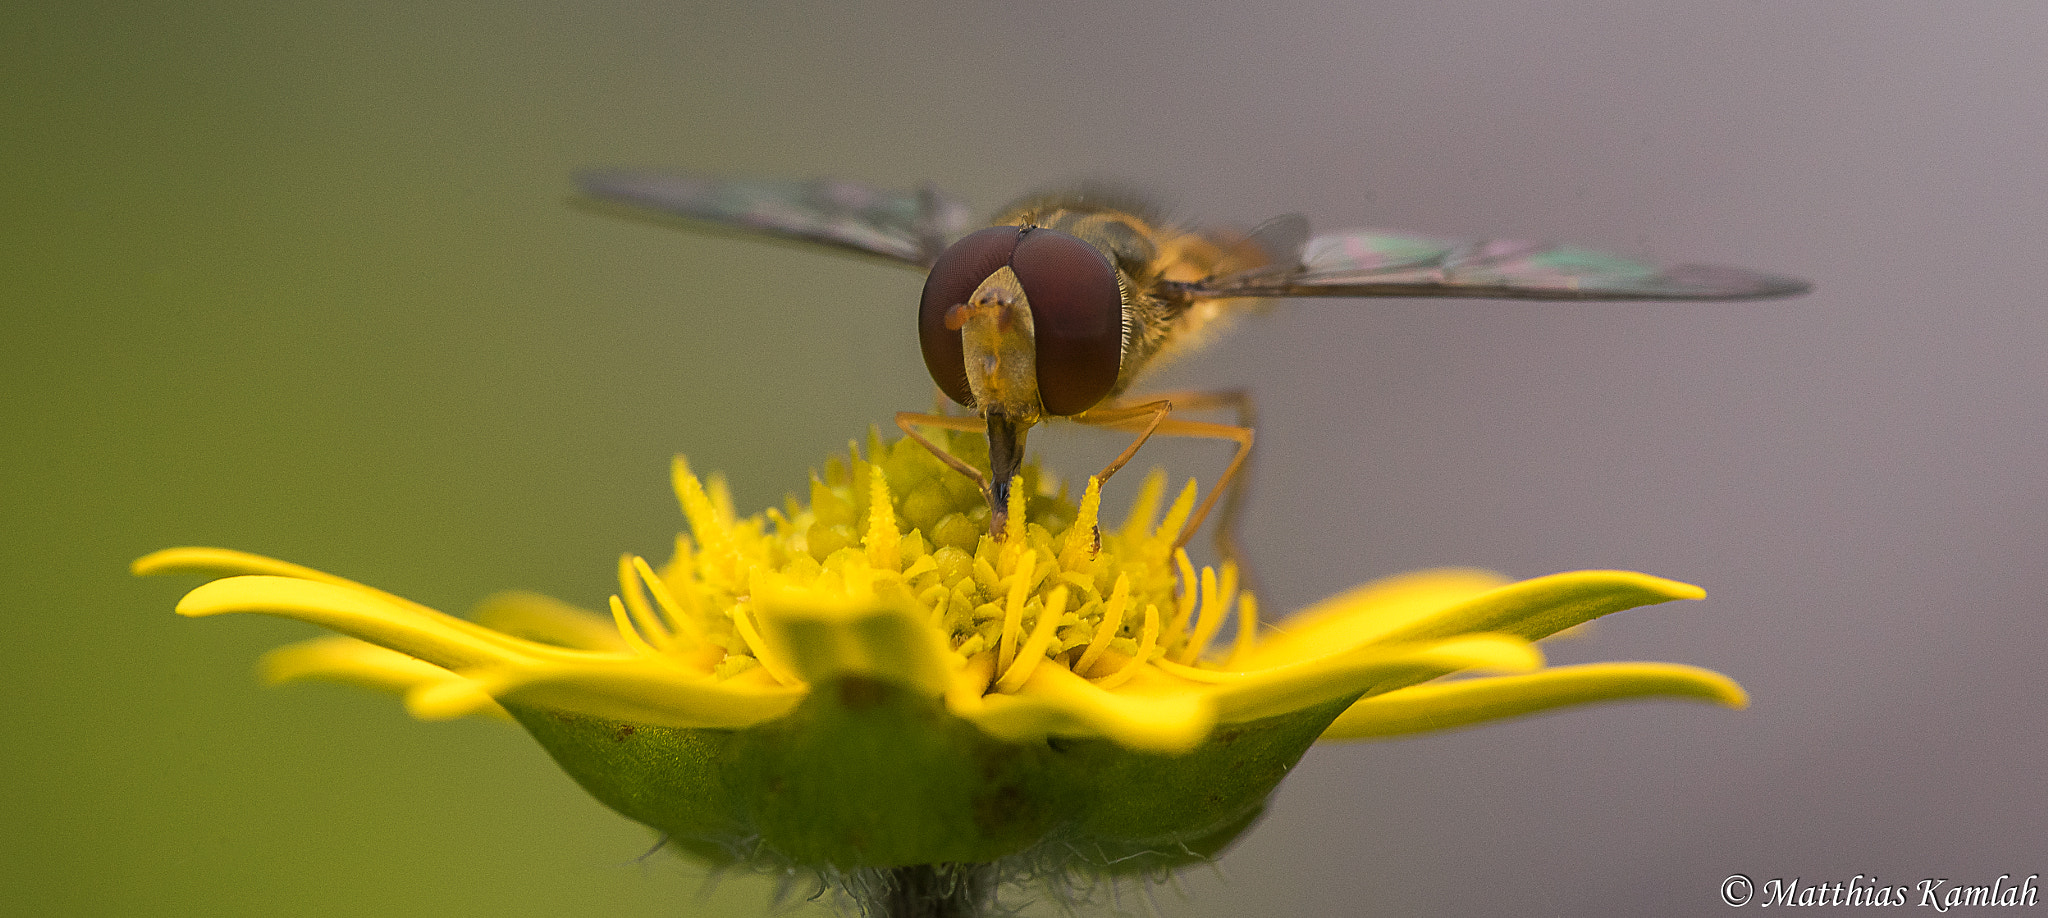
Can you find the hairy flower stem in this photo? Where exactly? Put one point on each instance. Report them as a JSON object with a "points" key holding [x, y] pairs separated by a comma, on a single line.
{"points": [[930, 891]]}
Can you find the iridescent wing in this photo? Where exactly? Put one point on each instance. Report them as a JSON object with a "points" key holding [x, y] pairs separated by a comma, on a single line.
{"points": [[907, 227], [1366, 263]]}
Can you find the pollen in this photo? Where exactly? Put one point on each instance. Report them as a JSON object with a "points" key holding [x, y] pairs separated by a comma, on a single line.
{"points": [[897, 526]]}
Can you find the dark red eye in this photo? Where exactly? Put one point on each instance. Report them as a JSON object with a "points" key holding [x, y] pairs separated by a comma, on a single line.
{"points": [[959, 270], [1077, 316], [1076, 313]]}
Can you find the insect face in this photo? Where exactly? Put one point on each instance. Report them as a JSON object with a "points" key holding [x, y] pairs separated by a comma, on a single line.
{"points": [[1023, 321]]}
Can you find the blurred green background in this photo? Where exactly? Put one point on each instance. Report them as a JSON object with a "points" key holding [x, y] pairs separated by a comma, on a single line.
{"points": [[305, 280]]}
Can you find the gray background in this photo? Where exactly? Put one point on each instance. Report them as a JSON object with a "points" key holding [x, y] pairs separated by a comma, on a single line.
{"points": [[305, 283]]}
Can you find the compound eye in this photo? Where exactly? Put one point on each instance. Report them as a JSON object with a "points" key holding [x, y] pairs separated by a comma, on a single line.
{"points": [[1077, 317], [959, 270]]}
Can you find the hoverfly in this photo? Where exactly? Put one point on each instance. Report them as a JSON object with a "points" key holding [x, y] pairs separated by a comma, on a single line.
{"points": [[1064, 300]]}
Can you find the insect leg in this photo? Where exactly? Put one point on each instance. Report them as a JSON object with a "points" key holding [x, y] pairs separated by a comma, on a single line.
{"points": [[1236, 482], [1005, 450], [1129, 418], [909, 421]]}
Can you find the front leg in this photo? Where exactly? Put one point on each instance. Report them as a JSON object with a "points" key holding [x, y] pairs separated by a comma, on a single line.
{"points": [[1151, 417], [1005, 451], [910, 421]]}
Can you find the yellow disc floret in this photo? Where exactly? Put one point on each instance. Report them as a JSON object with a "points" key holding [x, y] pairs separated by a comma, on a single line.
{"points": [[900, 527]]}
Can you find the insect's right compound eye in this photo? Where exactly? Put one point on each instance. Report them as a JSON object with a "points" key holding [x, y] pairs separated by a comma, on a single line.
{"points": [[959, 270], [1076, 316]]}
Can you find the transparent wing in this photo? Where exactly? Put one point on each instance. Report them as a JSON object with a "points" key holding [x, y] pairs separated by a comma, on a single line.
{"points": [[908, 227], [1374, 263]]}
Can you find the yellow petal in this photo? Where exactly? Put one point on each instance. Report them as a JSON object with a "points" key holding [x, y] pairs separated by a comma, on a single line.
{"points": [[1449, 705], [637, 690], [337, 658], [549, 621], [225, 562], [1033, 652], [1366, 613], [451, 699], [408, 628], [1055, 702], [1538, 608], [259, 570], [821, 637], [1299, 685]]}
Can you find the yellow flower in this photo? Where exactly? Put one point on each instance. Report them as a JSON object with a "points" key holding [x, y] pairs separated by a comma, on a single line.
{"points": [[871, 681]]}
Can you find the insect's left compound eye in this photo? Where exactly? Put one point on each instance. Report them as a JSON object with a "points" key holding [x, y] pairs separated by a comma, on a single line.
{"points": [[959, 270], [1077, 317]]}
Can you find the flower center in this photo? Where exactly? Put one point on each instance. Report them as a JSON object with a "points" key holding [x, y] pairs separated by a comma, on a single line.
{"points": [[899, 527]]}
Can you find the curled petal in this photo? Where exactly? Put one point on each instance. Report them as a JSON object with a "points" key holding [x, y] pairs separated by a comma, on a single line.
{"points": [[822, 638], [549, 621], [1033, 652], [337, 658], [1449, 705], [226, 562], [1538, 608], [1367, 613], [1055, 702], [1300, 685], [451, 699], [635, 689], [373, 616]]}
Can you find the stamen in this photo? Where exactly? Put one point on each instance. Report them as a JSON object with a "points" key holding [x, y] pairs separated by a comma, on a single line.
{"points": [[1013, 609], [884, 544], [631, 634], [1184, 604], [934, 600], [667, 600], [629, 588], [686, 560], [720, 494], [698, 509], [985, 575], [1106, 630], [1083, 538], [920, 567], [1247, 629], [1013, 528], [975, 646], [1145, 507], [1177, 516], [971, 682], [642, 613], [1149, 640], [1041, 638], [1216, 601], [742, 622], [878, 449]]}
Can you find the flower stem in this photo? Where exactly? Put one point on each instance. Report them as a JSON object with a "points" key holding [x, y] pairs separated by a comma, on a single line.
{"points": [[930, 891]]}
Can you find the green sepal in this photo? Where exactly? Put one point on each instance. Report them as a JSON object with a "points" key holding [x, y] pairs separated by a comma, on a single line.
{"points": [[861, 774], [1153, 811], [667, 778], [866, 774]]}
